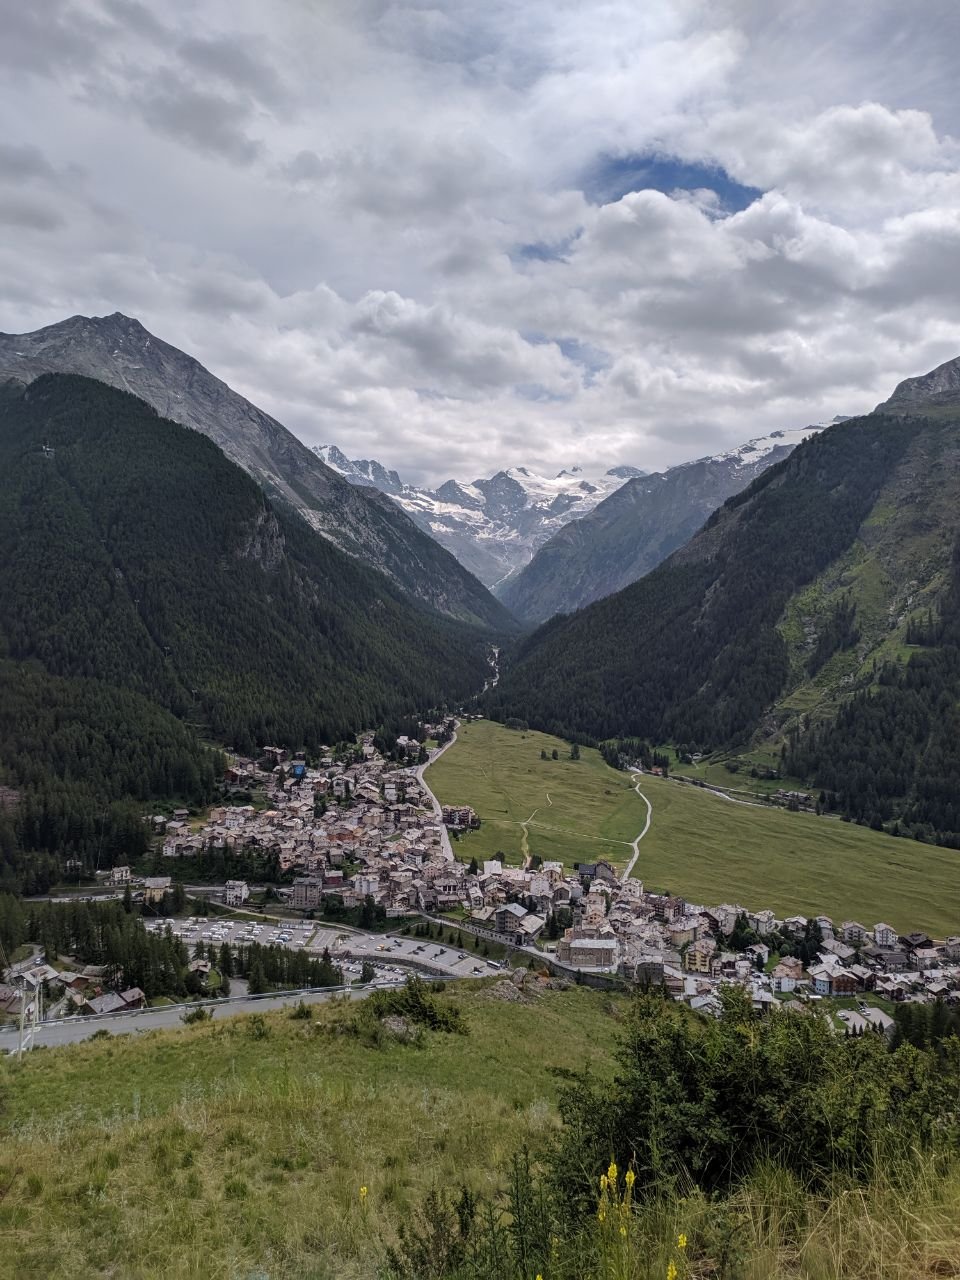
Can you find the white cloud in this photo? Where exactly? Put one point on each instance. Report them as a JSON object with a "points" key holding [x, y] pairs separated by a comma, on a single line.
{"points": [[375, 218]]}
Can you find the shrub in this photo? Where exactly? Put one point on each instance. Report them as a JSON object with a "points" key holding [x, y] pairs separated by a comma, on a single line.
{"points": [[199, 1014]]}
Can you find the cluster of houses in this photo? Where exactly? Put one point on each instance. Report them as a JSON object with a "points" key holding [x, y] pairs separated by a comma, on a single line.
{"points": [[68, 991], [662, 938], [367, 830], [354, 830], [380, 836]]}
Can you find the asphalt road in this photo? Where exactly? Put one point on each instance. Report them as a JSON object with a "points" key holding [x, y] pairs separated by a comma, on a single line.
{"points": [[73, 1030], [420, 771], [450, 962]]}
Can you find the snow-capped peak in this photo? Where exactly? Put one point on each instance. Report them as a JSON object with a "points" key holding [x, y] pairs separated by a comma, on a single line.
{"points": [[754, 450], [493, 525]]}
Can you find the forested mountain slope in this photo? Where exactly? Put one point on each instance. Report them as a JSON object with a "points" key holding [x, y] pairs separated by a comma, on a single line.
{"points": [[635, 529], [118, 350], [826, 589], [146, 578]]}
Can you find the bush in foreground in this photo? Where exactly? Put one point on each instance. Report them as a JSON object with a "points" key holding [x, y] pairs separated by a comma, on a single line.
{"points": [[735, 1148]]}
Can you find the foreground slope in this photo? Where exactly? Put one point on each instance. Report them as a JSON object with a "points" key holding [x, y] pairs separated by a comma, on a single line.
{"points": [[635, 528], [118, 350], [301, 1150], [795, 584], [239, 1148], [136, 557]]}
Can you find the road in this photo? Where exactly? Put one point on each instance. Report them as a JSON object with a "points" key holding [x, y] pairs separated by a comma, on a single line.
{"points": [[437, 809], [73, 1030], [438, 752], [635, 845]]}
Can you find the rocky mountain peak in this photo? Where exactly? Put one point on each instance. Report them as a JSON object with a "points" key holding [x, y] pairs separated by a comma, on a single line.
{"points": [[941, 386], [117, 350]]}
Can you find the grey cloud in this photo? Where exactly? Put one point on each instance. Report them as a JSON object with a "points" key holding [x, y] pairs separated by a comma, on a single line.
{"points": [[20, 211], [306, 166], [24, 162], [386, 159], [137, 18], [48, 38], [234, 62], [197, 118], [219, 293]]}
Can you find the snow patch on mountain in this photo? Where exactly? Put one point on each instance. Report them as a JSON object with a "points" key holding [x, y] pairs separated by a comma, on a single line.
{"points": [[492, 525], [756, 450]]}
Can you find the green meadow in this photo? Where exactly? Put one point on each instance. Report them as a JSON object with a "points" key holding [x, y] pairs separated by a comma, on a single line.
{"points": [[567, 810], [700, 845]]}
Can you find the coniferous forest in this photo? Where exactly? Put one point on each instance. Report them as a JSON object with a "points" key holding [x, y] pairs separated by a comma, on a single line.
{"points": [[152, 599]]}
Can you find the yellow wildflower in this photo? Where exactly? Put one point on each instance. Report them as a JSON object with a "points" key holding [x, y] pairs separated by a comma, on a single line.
{"points": [[630, 1178], [601, 1215], [671, 1272], [623, 1231], [612, 1172], [603, 1182], [363, 1194], [681, 1241]]}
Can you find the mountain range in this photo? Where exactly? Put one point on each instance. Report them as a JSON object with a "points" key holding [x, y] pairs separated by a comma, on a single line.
{"points": [[636, 527], [548, 545], [119, 351], [493, 526], [814, 621]]}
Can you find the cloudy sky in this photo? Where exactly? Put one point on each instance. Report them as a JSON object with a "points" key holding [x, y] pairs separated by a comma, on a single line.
{"points": [[458, 236]]}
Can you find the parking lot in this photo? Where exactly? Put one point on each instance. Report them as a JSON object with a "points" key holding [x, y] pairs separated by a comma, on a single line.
{"points": [[383, 949], [295, 934], [452, 961]]}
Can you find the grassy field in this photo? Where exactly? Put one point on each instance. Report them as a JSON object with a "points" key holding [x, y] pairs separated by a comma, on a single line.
{"points": [[699, 845], [568, 810], [237, 1149]]}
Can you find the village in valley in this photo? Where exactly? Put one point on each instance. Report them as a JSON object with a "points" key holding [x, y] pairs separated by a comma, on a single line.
{"points": [[358, 835]]}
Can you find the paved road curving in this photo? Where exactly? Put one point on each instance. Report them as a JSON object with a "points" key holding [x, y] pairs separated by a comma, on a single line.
{"points": [[437, 808]]}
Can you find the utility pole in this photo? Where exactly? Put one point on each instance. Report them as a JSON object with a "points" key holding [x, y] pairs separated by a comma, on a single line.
{"points": [[23, 1012]]}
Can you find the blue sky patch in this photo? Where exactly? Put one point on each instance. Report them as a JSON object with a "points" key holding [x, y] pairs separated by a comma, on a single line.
{"points": [[541, 251], [612, 177]]}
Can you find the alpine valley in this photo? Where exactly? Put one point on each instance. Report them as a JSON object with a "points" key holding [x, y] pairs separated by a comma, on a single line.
{"points": [[813, 622], [549, 545], [138, 619]]}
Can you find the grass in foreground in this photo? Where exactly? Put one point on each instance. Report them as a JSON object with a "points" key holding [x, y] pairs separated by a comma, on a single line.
{"points": [[238, 1148], [700, 845]]}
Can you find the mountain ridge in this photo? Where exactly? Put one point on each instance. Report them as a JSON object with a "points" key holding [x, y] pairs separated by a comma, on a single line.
{"points": [[814, 619], [135, 611], [120, 352], [636, 527]]}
